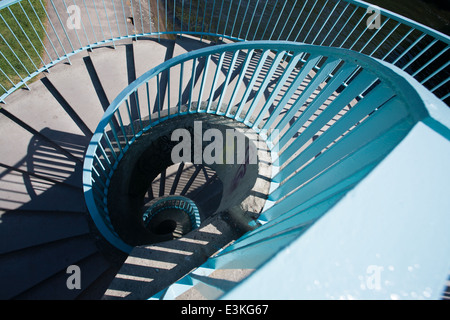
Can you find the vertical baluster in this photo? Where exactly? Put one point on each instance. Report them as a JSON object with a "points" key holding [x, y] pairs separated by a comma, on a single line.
{"points": [[36, 33], [435, 72], [213, 86], [235, 18], [150, 16], [109, 24], [228, 18], [182, 16], [281, 82], [335, 22], [374, 34], [127, 104], [147, 89], [189, 17], [166, 12], [278, 20], [122, 128], [269, 20], [191, 91], [142, 19], [420, 54], [202, 86], [180, 89], [68, 15], [409, 48], [336, 81], [110, 146], [7, 78], [296, 21], [62, 25], [384, 40], [138, 109], [157, 12], [90, 21], [227, 81], [124, 17], [246, 63], [430, 61], [14, 69], [305, 70], [305, 21], [220, 16], [440, 85], [251, 20], [243, 19], [344, 26], [98, 19], [260, 19], [196, 15], [168, 93], [252, 82], [211, 17], [115, 135], [117, 20], [44, 29], [351, 32], [203, 22], [19, 43], [326, 22], [267, 79], [158, 96], [287, 19], [314, 23], [134, 19], [320, 76], [397, 44]]}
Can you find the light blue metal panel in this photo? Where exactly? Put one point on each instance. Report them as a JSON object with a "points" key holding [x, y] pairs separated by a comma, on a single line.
{"points": [[387, 239], [286, 222], [348, 168], [375, 99]]}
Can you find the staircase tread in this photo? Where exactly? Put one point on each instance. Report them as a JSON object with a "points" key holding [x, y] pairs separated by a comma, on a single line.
{"points": [[76, 86], [25, 192], [25, 268], [92, 270], [185, 44], [40, 109], [22, 229], [112, 68], [150, 53], [30, 153]]}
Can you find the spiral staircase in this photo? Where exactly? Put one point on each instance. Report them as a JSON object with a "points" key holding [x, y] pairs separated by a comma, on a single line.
{"points": [[65, 144]]}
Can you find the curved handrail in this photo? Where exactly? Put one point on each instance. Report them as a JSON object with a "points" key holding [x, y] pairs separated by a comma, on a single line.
{"points": [[412, 49], [178, 202], [373, 82]]}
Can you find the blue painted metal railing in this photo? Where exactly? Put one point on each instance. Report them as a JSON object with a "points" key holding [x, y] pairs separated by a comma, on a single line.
{"points": [[173, 202], [75, 25], [342, 131]]}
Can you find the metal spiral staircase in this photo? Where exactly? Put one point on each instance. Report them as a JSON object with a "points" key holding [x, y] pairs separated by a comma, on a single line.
{"points": [[352, 162]]}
